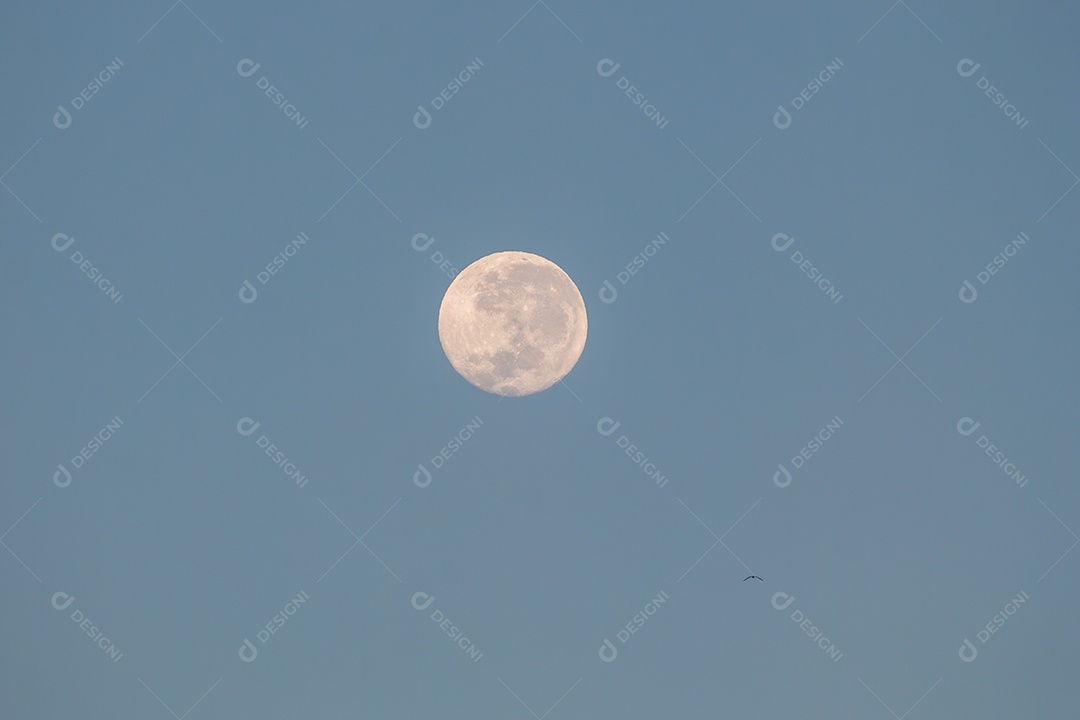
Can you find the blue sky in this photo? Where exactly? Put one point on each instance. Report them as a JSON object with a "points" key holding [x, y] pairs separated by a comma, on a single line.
{"points": [[813, 274]]}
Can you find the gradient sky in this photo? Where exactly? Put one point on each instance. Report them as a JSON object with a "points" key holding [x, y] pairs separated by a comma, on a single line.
{"points": [[899, 538]]}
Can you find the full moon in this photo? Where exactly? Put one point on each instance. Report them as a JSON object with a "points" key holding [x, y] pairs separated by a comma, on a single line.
{"points": [[513, 323]]}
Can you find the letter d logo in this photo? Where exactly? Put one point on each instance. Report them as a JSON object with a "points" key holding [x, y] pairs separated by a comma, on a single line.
{"points": [[782, 118], [607, 68], [62, 477], [248, 423], [777, 596], [64, 600], [247, 68], [425, 602], [248, 293], [422, 472], [62, 118], [422, 118], [782, 473], [248, 652], [608, 293], [970, 425], [607, 422], [62, 237], [967, 68], [782, 237], [421, 237]]}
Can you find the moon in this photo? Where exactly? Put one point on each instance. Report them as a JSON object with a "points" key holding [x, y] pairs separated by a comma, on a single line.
{"points": [[513, 323]]}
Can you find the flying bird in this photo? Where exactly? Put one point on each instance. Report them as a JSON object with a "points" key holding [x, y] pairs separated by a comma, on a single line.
{"points": [[755, 577]]}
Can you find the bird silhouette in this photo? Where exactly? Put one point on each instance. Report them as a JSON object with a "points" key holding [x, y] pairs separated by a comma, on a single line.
{"points": [[754, 577]]}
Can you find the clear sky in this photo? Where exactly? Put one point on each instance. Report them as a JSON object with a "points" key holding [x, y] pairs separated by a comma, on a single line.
{"points": [[822, 381]]}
